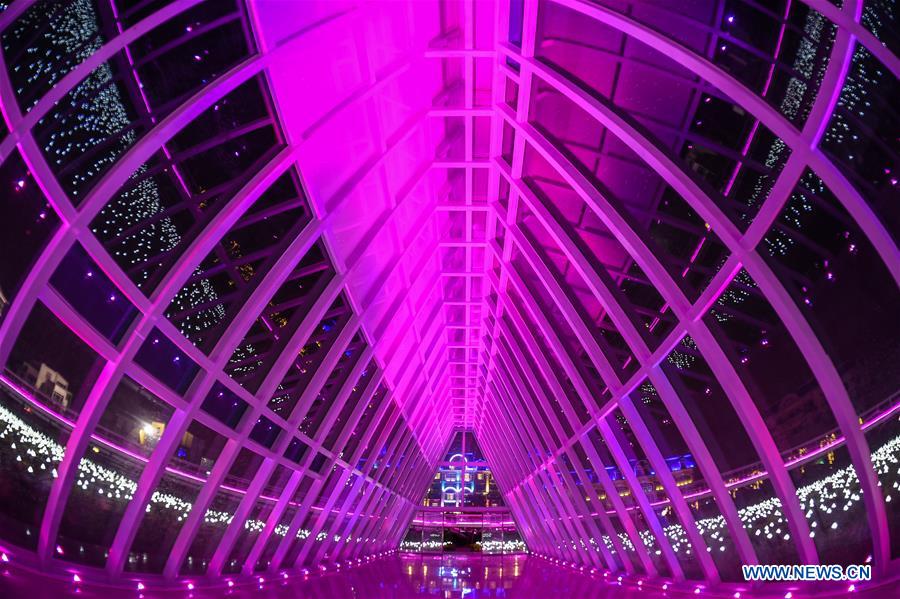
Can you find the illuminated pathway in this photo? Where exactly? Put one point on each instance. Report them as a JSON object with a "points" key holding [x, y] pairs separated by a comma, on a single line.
{"points": [[400, 576]]}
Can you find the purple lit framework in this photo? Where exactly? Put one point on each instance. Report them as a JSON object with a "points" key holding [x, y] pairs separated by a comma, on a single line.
{"points": [[266, 262]]}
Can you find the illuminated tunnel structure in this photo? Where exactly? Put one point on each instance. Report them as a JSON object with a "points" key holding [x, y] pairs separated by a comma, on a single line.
{"points": [[258, 265]]}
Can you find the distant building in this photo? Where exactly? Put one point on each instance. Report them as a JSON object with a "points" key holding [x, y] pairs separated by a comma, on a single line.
{"points": [[47, 382]]}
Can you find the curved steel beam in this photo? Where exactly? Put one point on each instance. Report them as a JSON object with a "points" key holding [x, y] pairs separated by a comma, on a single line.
{"points": [[678, 302], [660, 161]]}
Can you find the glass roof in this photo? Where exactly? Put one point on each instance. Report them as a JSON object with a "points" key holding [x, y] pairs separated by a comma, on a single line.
{"points": [[266, 274]]}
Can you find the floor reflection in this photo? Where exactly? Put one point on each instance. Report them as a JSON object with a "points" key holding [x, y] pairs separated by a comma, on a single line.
{"points": [[465, 575], [449, 576]]}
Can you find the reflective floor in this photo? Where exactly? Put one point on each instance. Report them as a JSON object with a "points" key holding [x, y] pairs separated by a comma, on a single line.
{"points": [[447, 577]]}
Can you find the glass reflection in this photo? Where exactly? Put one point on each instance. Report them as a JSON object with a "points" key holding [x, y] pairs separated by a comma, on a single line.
{"points": [[456, 576]]}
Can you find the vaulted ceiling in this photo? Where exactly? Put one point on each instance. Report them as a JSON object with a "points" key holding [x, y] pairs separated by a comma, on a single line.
{"points": [[265, 258]]}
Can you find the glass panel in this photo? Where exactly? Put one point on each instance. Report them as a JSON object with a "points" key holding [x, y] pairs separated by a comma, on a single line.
{"points": [[284, 314], [884, 442], [310, 356], [778, 49], [321, 538], [412, 541], [603, 253], [713, 529], [210, 532], [52, 363], [783, 59], [350, 407], [710, 410], [228, 275], [768, 361], [682, 241], [690, 481], [299, 541], [47, 41], [667, 437], [32, 445], [676, 536], [90, 129], [434, 493], [598, 444], [672, 527], [170, 199], [265, 432], [176, 59], [637, 459], [276, 483], [253, 526], [880, 18], [433, 532], [829, 493], [799, 45], [199, 449], [325, 400], [862, 135], [224, 405], [456, 444], [169, 506], [604, 538], [348, 487], [650, 542], [275, 539], [28, 221], [51, 38], [830, 269], [760, 512], [163, 359], [106, 482], [588, 310], [108, 111], [625, 540], [244, 469], [366, 457], [90, 292], [296, 450], [318, 463], [134, 418]]}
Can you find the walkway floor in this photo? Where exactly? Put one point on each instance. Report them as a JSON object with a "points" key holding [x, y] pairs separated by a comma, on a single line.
{"points": [[472, 576]]}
